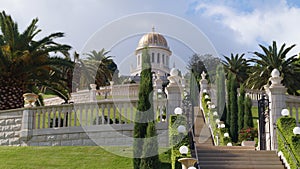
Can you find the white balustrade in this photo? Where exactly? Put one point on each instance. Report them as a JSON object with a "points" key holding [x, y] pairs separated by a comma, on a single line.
{"points": [[293, 104], [87, 114]]}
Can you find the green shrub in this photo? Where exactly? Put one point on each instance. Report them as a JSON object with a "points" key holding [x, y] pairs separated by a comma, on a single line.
{"points": [[285, 126]]}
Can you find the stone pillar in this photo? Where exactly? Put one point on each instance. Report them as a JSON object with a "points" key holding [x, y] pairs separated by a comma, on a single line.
{"points": [[277, 98], [27, 126], [203, 86], [173, 91], [93, 93]]}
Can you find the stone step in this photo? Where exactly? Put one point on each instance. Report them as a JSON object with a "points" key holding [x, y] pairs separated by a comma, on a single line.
{"points": [[233, 154], [237, 161], [254, 166], [208, 159], [207, 147]]}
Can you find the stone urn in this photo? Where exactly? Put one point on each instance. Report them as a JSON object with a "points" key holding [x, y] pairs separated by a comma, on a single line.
{"points": [[30, 98], [187, 162], [248, 143]]}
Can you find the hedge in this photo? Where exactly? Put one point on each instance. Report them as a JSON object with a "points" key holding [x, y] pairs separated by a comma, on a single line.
{"points": [[286, 125]]}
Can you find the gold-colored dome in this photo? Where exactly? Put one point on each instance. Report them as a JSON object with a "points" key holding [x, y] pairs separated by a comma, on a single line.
{"points": [[153, 39]]}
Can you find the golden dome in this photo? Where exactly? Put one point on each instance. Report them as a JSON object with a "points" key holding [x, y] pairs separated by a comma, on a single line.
{"points": [[153, 39]]}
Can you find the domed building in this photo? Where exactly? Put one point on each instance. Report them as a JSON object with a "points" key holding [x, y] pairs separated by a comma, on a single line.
{"points": [[159, 52]]}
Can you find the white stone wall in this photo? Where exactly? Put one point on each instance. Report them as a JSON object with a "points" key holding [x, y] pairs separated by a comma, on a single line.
{"points": [[10, 127], [104, 135]]}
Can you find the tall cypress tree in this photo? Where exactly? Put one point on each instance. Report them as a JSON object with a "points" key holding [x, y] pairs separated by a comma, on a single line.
{"points": [[221, 92], [233, 109], [194, 89], [144, 120], [248, 119], [228, 89], [241, 104], [150, 159]]}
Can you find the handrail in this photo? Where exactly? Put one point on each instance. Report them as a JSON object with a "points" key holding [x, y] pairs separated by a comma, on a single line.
{"points": [[288, 148], [194, 146]]}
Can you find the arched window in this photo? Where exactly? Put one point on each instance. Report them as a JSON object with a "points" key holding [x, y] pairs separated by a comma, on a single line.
{"points": [[153, 59], [139, 60], [163, 59], [158, 58], [167, 58]]}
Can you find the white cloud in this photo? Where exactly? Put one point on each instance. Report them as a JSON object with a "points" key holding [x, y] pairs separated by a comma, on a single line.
{"points": [[263, 24]]}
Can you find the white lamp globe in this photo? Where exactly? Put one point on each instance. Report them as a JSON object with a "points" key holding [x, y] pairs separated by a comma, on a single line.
{"points": [[213, 106], [159, 90], [222, 126], [229, 144], [217, 121], [226, 135], [178, 111], [181, 129], [215, 113], [206, 97], [296, 130], [204, 91], [183, 150], [285, 112]]}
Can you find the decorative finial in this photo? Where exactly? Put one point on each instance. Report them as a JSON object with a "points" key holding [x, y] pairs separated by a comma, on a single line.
{"points": [[153, 28]]}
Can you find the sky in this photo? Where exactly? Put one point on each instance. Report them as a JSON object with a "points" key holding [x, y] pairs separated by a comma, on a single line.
{"points": [[218, 27]]}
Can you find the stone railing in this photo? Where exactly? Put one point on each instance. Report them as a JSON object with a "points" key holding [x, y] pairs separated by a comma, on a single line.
{"points": [[119, 91], [87, 114], [104, 122], [293, 104]]}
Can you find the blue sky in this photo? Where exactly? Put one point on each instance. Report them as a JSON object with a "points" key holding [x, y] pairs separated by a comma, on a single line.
{"points": [[232, 26]]}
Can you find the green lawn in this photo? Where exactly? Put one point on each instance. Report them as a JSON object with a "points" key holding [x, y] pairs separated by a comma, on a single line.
{"points": [[89, 157]]}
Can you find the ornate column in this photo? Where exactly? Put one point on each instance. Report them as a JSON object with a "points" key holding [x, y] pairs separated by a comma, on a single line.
{"points": [[173, 91], [277, 97]]}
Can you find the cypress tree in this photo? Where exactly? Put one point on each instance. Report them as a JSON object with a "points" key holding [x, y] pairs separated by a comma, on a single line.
{"points": [[194, 89], [220, 79], [150, 157], [233, 109], [228, 112], [140, 122], [144, 120], [248, 119], [241, 104]]}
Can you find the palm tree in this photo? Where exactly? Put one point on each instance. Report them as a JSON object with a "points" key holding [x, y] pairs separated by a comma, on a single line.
{"points": [[26, 65], [270, 59], [100, 67], [236, 65]]}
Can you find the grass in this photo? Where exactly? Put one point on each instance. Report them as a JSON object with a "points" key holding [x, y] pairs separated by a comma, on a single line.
{"points": [[83, 157]]}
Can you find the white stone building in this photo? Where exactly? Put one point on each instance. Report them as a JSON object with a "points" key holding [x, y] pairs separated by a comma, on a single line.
{"points": [[159, 52]]}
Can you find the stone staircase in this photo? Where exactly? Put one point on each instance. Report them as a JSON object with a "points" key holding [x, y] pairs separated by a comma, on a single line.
{"points": [[224, 157]]}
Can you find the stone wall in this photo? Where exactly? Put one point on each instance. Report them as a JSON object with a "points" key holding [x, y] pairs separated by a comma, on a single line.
{"points": [[10, 127], [102, 135]]}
